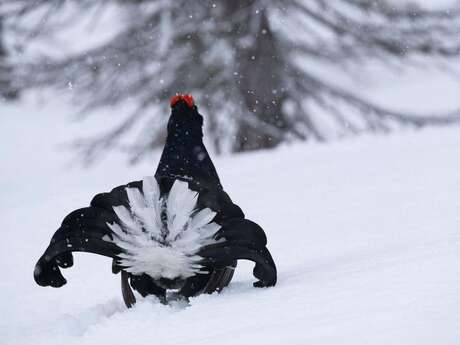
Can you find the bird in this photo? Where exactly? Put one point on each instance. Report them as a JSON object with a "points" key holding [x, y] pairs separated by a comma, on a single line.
{"points": [[177, 230]]}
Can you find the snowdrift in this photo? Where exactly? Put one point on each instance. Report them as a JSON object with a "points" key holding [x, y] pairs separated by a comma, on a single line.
{"points": [[365, 233]]}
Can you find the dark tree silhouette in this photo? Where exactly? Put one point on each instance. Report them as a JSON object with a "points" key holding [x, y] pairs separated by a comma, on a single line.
{"points": [[246, 62], [7, 90]]}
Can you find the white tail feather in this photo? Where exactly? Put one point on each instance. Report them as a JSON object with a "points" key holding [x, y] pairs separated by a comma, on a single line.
{"points": [[180, 205], [162, 249]]}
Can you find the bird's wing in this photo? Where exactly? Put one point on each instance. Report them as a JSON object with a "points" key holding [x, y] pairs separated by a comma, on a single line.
{"points": [[83, 230], [244, 240]]}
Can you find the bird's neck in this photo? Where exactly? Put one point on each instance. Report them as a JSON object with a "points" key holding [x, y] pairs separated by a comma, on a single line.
{"points": [[185, 157]]}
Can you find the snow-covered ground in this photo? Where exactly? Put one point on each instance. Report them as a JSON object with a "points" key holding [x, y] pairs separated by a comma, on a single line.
{"points": [[365, 233]]}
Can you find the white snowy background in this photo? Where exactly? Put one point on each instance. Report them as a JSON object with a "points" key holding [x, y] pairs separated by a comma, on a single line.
{"points": [[365, 233]]}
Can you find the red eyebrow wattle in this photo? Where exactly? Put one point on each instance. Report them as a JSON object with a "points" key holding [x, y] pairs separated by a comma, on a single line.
{"points": [[186, 98]]}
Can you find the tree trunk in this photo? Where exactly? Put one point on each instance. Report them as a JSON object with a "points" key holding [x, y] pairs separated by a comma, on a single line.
{"points": [[7, 91], [259, 68]]}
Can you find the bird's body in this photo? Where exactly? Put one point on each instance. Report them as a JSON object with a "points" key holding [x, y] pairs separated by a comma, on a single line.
{"points": [[177, 229]]}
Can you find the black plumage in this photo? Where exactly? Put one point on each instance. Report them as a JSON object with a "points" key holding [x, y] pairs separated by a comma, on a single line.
{"points": [[184, 158]]}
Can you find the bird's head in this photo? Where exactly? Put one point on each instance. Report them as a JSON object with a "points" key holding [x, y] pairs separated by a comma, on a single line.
{"points": [[184, 154], [187, 99], [185, 121]]}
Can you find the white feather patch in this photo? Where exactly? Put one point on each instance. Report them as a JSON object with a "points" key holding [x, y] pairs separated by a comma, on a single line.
{"points": [[162, 249]]}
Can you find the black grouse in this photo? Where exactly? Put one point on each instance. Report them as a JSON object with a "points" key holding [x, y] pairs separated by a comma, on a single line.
{"points": [[176, 230]]}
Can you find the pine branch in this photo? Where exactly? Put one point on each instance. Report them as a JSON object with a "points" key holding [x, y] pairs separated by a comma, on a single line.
{"points": [[237, 64]]}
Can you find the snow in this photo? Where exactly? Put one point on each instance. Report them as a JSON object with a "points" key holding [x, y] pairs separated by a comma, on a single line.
{"points": [[365, 233]]}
